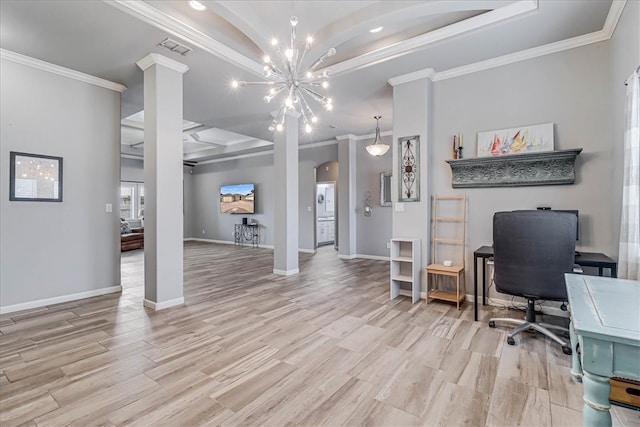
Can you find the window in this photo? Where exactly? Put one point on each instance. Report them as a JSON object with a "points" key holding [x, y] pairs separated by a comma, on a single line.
{"points": [[131, 200]]}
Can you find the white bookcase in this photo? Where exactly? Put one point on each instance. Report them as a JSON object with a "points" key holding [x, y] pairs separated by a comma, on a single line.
{"points": [[405, 268]]}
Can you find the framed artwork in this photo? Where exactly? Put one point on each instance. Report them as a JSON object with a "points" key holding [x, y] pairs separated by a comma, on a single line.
{"points": [[520, 140], [409, 168], [35, 178]]}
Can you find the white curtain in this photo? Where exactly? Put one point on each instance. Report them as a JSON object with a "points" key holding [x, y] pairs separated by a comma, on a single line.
{"points": [[629, 250]]}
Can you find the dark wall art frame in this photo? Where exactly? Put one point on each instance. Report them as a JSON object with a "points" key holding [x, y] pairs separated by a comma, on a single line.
{"points": [[409, 168], [35, 177]]}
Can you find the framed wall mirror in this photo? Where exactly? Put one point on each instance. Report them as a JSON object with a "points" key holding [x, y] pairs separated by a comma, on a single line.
{"points": [[35, 178], [385, 189]]}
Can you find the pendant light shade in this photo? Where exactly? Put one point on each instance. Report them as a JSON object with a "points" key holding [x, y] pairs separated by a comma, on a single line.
{"points": [[378, 148]]}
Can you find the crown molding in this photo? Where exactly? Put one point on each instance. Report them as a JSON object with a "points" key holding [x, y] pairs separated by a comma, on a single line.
{"points": [[317, 144], [523, 55], [157, 59], [391, 52], [427, 73], [177, 28], [61, 71], [347, 136], [617, 6], [605, 34]]}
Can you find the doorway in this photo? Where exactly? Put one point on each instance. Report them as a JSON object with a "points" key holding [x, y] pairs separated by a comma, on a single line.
{"points": [[325, 209], [325, 213]]}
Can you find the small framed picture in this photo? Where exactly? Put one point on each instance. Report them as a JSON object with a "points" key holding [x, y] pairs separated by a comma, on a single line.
{"points": [[35, 178], [409, 168]]}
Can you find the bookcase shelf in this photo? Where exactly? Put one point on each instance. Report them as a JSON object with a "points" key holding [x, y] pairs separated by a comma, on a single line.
{"points": [[405, 268]]}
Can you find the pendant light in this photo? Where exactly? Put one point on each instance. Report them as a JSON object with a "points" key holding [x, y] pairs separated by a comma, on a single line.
{"points": [[378, 148]]}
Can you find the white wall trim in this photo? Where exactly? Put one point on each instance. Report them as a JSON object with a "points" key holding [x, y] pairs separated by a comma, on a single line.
{"points": [[427, 73], [376, 257], [61, 71], [60, 299], [480, 21], [523, 55], [286, 272], [230, 242], [317, 144], [177, 28], [607, 31], [163, 304], [239, 156], [157, 59]]}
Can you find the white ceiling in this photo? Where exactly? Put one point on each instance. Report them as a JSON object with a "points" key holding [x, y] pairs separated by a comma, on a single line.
{"points": [[105, 39]]}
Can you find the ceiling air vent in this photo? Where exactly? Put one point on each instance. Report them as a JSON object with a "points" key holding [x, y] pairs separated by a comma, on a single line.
{"points": [[176, 47]]}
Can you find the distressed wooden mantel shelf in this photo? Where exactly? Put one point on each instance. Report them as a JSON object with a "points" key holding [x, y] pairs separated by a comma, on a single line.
{"points": [[515, 170]]}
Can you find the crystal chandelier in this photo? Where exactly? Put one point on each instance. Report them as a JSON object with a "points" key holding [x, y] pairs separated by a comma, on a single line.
{"points": [[292, 84], [377, 148]]}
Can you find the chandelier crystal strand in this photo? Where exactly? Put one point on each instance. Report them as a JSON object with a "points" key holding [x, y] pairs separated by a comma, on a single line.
{"points": [[291, 84]]}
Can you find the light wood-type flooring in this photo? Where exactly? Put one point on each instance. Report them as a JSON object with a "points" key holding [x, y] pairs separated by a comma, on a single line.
{"points": [[325, 347]]}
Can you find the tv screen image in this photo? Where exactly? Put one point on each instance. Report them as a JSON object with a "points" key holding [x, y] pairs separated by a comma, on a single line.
{"points": [[237, 198]]}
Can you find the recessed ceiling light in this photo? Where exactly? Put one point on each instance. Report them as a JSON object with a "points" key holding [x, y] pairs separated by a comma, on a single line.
{"points": [[375, 30], [196, 5]]}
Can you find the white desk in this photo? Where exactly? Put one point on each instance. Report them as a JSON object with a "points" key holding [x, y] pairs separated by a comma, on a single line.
{"points": [[605, 338]]}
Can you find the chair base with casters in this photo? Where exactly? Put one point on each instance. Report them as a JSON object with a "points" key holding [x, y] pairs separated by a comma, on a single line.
{"points": [[529, 323]]}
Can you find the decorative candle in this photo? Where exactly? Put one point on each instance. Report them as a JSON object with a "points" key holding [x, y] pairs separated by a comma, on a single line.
{"points": [[455, 150]]}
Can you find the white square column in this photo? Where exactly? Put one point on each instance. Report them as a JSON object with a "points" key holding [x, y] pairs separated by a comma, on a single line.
{"points": [[285, 165], [163, 186], [347, 196]]}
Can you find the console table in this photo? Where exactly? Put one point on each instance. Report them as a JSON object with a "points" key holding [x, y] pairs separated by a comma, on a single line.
{"points": [[584, 259], [605, 338], [247, 233]]}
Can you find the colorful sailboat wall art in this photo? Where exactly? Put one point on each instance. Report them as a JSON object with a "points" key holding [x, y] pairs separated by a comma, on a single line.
{"points": [[520, 140]]}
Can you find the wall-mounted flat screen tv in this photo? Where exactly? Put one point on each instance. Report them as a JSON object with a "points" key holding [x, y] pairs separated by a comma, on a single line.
{"points": [[237, 198]]}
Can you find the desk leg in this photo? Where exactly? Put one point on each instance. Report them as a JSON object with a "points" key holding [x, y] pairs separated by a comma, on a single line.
{"points": [[600, 271], [475, 287], [484, 277], [576, 366], [596, 400], [614, 271]]}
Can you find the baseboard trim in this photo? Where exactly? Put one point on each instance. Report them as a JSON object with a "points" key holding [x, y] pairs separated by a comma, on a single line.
{"points": [[376, 257], [286, 272], [57, 300], [229, 242], [163, 304]]}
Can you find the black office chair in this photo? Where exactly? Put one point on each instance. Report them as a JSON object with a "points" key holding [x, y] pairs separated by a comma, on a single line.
{"points": [[532, 251]]}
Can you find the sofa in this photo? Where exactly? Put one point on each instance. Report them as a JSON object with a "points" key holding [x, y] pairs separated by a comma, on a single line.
{"points": [[130, 238]]}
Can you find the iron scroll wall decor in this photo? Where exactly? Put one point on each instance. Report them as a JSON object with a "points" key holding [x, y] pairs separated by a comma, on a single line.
{"points": [[544, 168], [409, 167]]}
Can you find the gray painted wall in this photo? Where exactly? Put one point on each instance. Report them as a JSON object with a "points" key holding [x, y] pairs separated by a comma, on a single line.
{"points": [[373, 232], [413, 115], [540, 90], [202, 211], [570, 89], [47, 249], [204, 218]]}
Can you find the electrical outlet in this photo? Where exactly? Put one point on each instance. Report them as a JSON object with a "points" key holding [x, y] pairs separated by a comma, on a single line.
{"points": [[388, 245], [203, 231], [108, 208]]}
